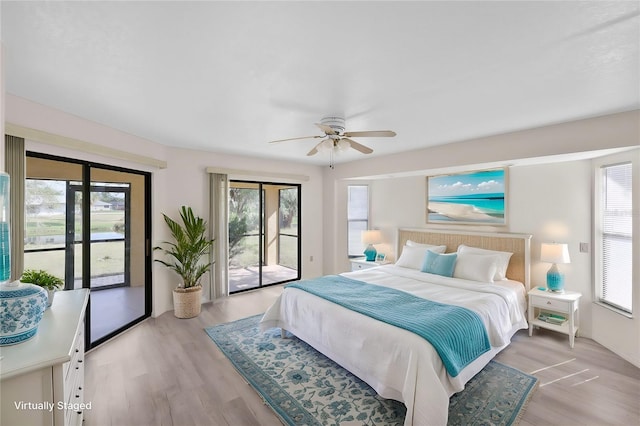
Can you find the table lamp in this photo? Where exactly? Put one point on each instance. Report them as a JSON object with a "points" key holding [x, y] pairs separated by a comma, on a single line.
{"points": [[555, 253], [370, 238]]}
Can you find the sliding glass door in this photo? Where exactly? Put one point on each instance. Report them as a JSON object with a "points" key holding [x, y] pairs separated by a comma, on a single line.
{"points": [[89, 224], [264, 234]]}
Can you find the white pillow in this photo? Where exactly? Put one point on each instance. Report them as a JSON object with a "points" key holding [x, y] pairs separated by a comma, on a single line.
{"points": [[501, 265], [476, 267], [412, 257], [435, 249]]}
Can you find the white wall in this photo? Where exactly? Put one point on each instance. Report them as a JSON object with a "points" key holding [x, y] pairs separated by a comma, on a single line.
{"points": [[183, 182], [553, 203]]}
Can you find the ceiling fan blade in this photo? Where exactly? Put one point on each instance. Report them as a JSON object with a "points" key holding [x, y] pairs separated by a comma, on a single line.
{"points": [[358, 147], [314, 151], [371, 133], [295, 139], [327, 129]]}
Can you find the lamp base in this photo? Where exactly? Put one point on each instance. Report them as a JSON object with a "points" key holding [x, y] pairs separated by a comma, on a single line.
{"points": [[370, 253], [555, 280]]}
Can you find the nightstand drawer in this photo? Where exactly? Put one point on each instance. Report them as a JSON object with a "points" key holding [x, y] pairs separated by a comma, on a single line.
{"points": [[543, 302], [357, 266]]}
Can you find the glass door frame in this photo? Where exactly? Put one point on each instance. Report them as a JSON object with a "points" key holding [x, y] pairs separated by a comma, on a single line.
{"points": [[87, 166], [261, 229]]}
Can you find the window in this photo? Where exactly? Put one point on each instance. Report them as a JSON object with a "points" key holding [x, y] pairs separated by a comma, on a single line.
{"points": [[614, 237], [357, 217]]}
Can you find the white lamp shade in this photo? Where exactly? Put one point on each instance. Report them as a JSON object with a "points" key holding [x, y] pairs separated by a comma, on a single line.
{"points": [[343, 145], [554, 253], [325, 146], [371, 237]]}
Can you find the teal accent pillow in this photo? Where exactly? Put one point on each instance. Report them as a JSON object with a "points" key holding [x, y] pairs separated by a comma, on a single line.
{"points": [[439, 264]]}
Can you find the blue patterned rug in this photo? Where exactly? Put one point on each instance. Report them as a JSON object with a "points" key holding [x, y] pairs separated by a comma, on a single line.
{"points": [[304, 387]]}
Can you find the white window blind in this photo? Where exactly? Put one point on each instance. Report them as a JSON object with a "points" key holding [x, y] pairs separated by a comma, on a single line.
{"points": [[616, 228], [357, 217]]}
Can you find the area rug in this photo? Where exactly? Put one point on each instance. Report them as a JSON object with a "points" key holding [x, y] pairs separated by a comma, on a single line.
{"points": [[303, 387]]}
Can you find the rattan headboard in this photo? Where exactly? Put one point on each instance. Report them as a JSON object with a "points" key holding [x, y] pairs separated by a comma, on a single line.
{"points": [[519, 244]]}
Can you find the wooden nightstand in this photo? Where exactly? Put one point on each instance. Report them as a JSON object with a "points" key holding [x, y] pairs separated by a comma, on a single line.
{"points": [[358, 263], [554, 311]]}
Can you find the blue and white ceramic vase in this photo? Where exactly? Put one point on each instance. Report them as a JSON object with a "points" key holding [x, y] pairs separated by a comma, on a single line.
{"points": [[21, 308]]}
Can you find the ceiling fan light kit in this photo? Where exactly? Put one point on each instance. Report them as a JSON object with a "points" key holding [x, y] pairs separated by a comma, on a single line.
{"points": [[343, 145], [336, 140], [324, 146]]}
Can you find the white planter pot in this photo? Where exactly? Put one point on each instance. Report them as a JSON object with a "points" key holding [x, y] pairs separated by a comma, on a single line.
{"points": [[50, 295]]}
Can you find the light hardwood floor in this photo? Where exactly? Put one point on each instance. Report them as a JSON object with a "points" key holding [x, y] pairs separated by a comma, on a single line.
{"points": [[167, 371]]}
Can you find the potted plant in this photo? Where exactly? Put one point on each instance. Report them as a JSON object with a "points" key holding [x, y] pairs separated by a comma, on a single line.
{"points": [[184, 257], [44, 279]]}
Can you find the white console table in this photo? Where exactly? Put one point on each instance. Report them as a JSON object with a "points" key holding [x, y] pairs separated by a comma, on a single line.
{"points": [[42, 379]]}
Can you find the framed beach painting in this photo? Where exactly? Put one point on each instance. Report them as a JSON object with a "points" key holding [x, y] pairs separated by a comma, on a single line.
{"points": [[477, 198]]}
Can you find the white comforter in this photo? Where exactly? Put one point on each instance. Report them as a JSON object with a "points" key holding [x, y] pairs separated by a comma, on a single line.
{"points": [[397, 363]]}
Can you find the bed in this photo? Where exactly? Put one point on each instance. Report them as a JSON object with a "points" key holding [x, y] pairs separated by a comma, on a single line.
{"points": [[409, 368]]}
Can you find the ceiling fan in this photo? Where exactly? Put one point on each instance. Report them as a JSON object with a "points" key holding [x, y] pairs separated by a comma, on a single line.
{"points": [[336, 139]]}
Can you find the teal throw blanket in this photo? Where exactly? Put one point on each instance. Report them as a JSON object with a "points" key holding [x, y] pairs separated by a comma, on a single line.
{"points": [[457, 334]]}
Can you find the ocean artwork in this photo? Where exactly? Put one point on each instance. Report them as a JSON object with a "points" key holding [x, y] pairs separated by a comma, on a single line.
{"points": [[471, 198]]}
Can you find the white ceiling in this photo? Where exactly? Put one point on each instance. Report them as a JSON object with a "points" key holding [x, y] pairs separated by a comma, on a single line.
{"points": [[230, 76]]}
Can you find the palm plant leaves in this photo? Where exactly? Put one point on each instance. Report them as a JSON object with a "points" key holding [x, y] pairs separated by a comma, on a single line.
{"points": [[191, 244]]}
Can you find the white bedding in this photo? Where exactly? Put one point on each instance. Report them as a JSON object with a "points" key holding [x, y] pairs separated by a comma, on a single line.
{"points": [[397, 363]]}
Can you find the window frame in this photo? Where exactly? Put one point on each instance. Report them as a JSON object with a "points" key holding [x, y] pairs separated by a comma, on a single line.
{"points": [[366, 220], [599, 234]]}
